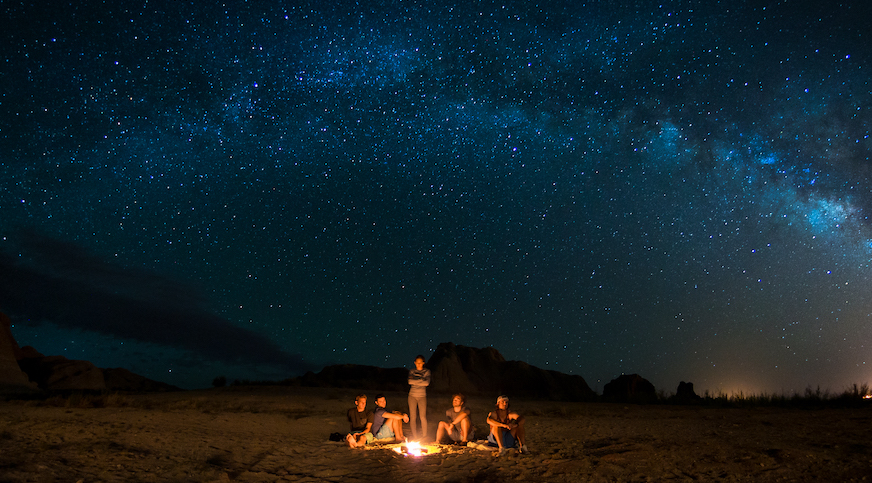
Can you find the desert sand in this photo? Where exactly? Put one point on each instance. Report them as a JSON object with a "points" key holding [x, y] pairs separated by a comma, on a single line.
{"points": [[281, 434]]}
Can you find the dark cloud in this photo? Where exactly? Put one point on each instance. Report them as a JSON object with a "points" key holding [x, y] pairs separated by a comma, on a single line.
{"points": [[61, 282]]}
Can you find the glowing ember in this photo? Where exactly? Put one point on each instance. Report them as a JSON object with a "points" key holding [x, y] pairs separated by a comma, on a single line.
{"points": [[412, 448]]}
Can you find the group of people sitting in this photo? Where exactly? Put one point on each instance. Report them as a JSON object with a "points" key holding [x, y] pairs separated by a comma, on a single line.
{"points": [[506, 426]]}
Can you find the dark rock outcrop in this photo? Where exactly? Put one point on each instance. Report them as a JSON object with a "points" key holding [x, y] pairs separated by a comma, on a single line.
{"points": [[472, 371], [369, 378], [119, 379], [24, 370], [685, 393], [12, 379], [486, 372], [631, 388], [57, 373]]}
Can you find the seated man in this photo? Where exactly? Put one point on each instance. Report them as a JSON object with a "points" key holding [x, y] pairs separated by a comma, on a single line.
{"points": [[360, 419], [506, 427], [457, 428], [387, 424]]}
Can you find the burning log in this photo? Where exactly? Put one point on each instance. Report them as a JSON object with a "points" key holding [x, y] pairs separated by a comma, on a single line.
{"points": [[413, 448]]}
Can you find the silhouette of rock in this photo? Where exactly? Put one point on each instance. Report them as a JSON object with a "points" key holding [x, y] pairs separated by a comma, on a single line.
{"points": [[119, 379], [486, 372], [630, 388], [685, 393], [24, 370], [28, 352], [12, 379], [463, 369], [369, 378], [57, 373]]}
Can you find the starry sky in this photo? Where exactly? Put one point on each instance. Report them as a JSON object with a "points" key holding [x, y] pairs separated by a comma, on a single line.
{"points": [[255, 189]]}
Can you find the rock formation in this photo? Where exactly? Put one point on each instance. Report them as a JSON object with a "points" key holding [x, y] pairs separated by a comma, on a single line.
{"points": [[472, 371], [369, 378], [685, 393], [119, 379], [629, 388], [57, 373], [25, 370], [486, 372], [12, 379]]}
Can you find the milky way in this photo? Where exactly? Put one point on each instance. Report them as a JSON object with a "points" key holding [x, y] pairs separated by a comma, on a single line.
{"points": [[680, 190]]}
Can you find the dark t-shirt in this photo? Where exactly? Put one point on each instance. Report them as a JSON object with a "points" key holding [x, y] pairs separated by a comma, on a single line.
{"points": [[359, 419], [378, 419]]}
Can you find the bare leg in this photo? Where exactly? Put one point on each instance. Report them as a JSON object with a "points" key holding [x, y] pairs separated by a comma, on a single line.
{"points": [[498, 435], [356, 442], [441, 431], [520, 433], [397, 427], [464, 430]]}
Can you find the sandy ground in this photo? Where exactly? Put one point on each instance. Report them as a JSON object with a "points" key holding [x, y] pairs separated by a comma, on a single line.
{"points": [[280, 434]]}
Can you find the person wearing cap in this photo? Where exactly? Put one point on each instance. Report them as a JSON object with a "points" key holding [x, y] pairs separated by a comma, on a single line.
{"points": [[506, 427], [387, 424]]}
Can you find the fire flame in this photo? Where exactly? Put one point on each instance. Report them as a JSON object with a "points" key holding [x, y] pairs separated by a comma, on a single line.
{"points": [[868, 396], [412, 448]]}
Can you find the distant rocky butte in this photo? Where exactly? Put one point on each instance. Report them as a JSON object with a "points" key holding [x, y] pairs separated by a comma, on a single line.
{"points": [[370, 378], [24, 369], [472, 371], [485, 372], [629, 388]]}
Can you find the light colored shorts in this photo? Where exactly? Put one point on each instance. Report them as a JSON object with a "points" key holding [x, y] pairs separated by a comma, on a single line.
{"points": [[384, 432]]}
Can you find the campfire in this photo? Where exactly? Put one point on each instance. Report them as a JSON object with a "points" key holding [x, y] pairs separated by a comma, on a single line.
{"points": [[413, 448]]}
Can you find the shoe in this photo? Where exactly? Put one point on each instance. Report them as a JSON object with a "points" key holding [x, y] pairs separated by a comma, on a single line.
{"points": [[523, 449]]}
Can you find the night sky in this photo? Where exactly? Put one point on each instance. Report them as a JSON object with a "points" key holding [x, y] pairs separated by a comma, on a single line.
{"points": [[255, 189]]}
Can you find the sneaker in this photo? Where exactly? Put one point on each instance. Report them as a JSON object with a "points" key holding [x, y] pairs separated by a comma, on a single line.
{"points": [[523, 449]]}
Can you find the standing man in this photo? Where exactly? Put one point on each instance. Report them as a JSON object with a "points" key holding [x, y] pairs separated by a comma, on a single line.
{"points": [[387, 424], [506, 427], [419, 379], [360, 420]]}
